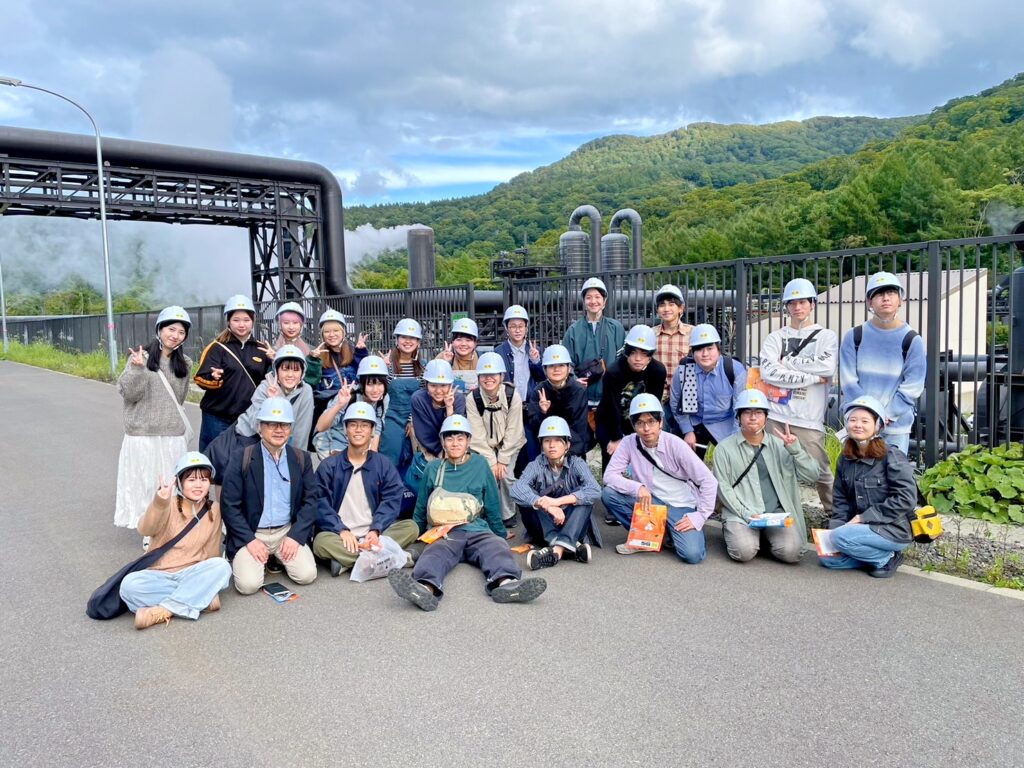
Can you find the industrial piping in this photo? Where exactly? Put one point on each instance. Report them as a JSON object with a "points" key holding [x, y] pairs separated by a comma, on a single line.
{"points": [[636, 233], [595, 232]]}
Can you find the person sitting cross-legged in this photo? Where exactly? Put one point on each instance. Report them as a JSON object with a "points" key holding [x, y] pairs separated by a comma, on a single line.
{"points": [[360, 497], [269, 503], [459, 489], [563, 489], [663, 470]]}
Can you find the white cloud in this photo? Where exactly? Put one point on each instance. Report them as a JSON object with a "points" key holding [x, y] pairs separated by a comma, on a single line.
{"points": [[366, 241], [907, 36]]}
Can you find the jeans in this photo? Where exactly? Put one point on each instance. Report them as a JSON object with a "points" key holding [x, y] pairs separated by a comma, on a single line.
{"points": [[211, 427], [689, 545], [901, 441], [860, 547], [184, 593], [570, 533]]}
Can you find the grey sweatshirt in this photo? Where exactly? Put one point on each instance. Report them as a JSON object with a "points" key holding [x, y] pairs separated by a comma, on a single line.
{"points": [[148, 409]]}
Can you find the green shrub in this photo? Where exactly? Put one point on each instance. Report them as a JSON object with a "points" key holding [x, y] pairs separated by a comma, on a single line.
{"points": [[93, 365], [987, 484]]}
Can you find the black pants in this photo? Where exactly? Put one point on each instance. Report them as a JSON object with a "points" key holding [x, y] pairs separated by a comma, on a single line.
{"points": [[704, 438], [489, 553]]}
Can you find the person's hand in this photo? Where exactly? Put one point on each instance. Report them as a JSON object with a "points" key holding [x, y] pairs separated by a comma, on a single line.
{"points": [[449, 402], [499, 471], [583, 380], [272, 389], [643, 496], [371, 541], [557, 514], [289, 548], [259, 551], [612, 446], [787, 437], [543, 402], [345, 394], [268, 350], [163, 490], [447, 354], [543, 502], [349, 542], [684, 525], [690, 438], [408, 430], [534, 351], [826, 379], [217, 373], [137, 358], [361, 340], [319, 349]]}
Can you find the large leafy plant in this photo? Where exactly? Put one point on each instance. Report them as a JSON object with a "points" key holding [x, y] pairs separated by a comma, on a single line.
{"points": [[987, 484]]}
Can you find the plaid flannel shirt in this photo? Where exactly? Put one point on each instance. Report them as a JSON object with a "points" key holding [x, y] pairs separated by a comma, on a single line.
{"points": [[672, 347]]}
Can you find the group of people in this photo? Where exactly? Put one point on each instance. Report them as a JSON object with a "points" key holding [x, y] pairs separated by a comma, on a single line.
{"points": [[321, 452]]}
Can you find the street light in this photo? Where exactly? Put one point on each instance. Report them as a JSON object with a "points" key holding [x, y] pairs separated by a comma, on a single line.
{"points": [[111, 341], [3, 307]]}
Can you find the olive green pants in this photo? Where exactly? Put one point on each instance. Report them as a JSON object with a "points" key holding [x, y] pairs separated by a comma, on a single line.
{"points": [[328, 546]]}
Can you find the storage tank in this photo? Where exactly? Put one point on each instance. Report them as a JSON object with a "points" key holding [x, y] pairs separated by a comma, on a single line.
{"points": [[422, 268], [574, 251], [614, 252]]}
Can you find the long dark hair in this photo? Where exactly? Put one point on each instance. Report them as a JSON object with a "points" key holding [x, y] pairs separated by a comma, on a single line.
{"points": [[876, 449], [179, 367]]}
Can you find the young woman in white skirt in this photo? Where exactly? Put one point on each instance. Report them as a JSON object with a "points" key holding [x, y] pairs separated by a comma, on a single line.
{"points": [[153, 386]]}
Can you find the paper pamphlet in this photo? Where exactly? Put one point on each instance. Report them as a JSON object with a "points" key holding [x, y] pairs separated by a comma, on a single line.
{"points": [[823, 542]]}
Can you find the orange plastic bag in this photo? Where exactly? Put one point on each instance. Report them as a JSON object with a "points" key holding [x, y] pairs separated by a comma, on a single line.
{"points": [[647, 529]]}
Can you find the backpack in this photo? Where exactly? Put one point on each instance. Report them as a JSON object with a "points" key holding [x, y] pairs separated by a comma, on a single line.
{"points": [[478, 398], [908, 339], [727, 364], [250, 449]]}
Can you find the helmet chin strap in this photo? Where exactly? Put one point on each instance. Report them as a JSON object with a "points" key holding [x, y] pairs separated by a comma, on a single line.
{"points": [[164, 346]]}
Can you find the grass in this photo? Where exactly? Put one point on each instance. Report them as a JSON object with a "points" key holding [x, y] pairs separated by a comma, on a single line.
{"points": [[92, 365]]}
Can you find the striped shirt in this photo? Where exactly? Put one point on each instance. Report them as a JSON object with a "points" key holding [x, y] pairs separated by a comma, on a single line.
{"points": [[672, 347]]}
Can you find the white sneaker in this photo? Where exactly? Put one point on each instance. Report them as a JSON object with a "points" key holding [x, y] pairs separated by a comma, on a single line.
{"points": [[145, 543], [622, 549]]}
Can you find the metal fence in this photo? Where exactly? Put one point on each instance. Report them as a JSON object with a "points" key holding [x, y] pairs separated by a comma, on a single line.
{"points": [[965, 297]]}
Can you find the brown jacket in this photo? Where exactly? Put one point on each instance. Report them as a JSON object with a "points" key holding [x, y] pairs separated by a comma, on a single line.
{"points": [[163, 521]]}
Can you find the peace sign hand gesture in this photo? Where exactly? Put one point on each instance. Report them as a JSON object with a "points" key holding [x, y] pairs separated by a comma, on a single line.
{"points": [[319, 349], [272, 388], [137, 357], [361, 340], [534, 351], [787, 437], [163, 490], [268, 350], [447, 354], [345, 394], [543, 402]]}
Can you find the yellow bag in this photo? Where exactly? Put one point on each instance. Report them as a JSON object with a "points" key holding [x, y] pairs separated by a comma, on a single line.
{"points": [[450, 507], [926, 525]]}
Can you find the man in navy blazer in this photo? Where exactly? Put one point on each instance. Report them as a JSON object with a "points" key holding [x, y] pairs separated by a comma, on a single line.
{"points": [[269, 503]]}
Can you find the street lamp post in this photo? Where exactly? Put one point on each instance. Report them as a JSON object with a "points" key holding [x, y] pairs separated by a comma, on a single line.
{"points": [[111, 340], [3, 308]]}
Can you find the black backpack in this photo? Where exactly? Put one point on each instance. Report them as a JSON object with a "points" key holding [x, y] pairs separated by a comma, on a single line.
{"points": [[727, 363], [510, 389], [908, 339]]}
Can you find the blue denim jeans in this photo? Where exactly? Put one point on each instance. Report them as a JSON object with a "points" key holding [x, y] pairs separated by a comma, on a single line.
{"points": [[689, 545], [901, 441], [861, 547], [211, 427], [184, 593]]}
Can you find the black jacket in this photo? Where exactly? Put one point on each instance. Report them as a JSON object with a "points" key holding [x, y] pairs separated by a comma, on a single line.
{"points": [[622, 384], [882, 492], [229, 396], [241, 503], [569, 402]]}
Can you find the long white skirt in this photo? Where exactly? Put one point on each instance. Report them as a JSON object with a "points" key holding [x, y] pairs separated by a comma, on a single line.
{"points": [[144, 459]]}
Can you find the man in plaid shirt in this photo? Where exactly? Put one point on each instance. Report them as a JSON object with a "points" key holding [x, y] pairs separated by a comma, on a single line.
{"points": [[673, 338]]}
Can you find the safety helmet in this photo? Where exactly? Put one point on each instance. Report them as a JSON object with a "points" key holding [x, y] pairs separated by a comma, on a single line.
{"points": [[641, 337], [276, 410], [750, 399], [360, 411], [333, 316], [881, 280], [289, 352], [515, 312], [669, 291], [291, 306], [704, 335], [466, 327], [554, 426], [490, 362], [868, 403], [237, 302], [408, 327], [800, 288], [193, 460], [645, 403], [593, 282], [173, 314], [456, 423], [372, 365], [439, 372], [556, 354]]}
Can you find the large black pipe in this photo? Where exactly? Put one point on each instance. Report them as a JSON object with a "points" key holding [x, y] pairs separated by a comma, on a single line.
{"points": [[595, 232], [32, 144], [636, 232]]}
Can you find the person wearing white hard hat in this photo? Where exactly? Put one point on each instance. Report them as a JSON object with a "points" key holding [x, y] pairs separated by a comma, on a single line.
{"points": [[187, 578], [360, 497], [458, 501], [406, 369], [331, 433], [593, 341], [703, 390], [334, 362], [796, 365], [291, 319], [662, 469], [521, 355], [558, 492], [559, 395], [430, 406], [672, 334], [460, 353], [885, 358], [269, 503], [758, 474], [875, 498], [230, 369], [495, 412], [153, 387]]}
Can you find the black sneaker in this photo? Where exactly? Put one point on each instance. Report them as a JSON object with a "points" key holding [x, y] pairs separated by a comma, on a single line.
{"points": [[337, 568], [888, 570], [519, 591], [541, 558], [407, 588], [274, 565], [609, 519], [584, 553]]}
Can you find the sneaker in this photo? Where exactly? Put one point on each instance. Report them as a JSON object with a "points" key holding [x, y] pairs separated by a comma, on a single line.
{"points": [[609, 519], [214, 605], [407, 588], [584, 554], [622, 549], [274, 565], [888, 570], [147, 617], [410, 559], [541, 558], [416, 549], [336, 568], [519, 591]]}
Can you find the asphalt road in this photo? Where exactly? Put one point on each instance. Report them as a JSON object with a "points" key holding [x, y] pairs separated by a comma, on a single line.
{"points": [[626, 661]]}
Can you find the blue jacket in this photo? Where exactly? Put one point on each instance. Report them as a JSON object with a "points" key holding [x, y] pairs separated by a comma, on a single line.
{"points": [[383, 486], [427, 420], [536, 369], [241, 502]]}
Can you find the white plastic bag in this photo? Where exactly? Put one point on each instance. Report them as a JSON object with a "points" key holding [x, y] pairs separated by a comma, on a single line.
{"points": [[376, 564]]}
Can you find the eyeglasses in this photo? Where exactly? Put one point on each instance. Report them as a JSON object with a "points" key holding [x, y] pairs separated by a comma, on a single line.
{"points": [[276, 425], [644, 423]]}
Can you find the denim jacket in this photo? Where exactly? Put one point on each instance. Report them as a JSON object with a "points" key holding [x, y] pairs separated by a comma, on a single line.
{"points": [[883, 492]]}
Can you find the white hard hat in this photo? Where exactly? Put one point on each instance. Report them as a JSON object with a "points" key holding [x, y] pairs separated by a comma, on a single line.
{"points": [[408, 327], [360, 412], [593, 282], [556, 354], [645, 403], [439, 372], [704, 335], [881, 280], [289, 352], [173, 314], [193, 460], [641, 337], [753, 399], [800, 288], [515, 312], [239, 302], [868, 403], [333, 316], [276, 410], [466, 327], [372, 365], [554, 426], [490, 362], [291, 306], [456, 423], [669, 291]]}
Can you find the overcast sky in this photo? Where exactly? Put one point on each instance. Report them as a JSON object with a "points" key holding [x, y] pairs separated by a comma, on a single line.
{"points": [[419, 100]]}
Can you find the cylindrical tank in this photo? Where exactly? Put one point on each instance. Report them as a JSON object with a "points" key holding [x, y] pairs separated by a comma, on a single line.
{"points": [[574, 251], [614, 252], [420, 241]]}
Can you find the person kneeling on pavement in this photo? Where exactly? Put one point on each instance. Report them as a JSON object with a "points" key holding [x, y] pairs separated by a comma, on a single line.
{"points": [[564, 490], [663, 469], [459, 491], [269, 503], [875, 495], [360, 497], [758, 474], [186, 579]]}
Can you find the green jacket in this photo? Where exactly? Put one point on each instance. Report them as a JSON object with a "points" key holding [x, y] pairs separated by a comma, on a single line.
{"points": [[786, 466], [585, 345], [473, 477]]}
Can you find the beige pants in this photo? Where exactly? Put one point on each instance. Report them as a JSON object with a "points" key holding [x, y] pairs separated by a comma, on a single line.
{"points": [[813, 442], [249, 572]]}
